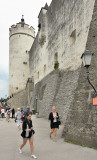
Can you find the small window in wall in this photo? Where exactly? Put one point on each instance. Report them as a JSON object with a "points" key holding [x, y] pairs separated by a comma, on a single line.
{"points": [[38, 75], [44, 68], [26, 51], [16, 88], [39, 27], [73, 37], [24, 62], [56, 57]]}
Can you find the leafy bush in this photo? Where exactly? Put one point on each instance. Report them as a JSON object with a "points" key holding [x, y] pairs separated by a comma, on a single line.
{"points": [[56, 65]]}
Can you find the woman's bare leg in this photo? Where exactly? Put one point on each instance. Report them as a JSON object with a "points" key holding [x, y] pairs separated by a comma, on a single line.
{"points": [[31, 144], [55, 130], [51, 132], [24, 142]]}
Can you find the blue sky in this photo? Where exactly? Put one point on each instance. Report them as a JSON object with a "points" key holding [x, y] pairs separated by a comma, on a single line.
{"points": [[11, 12]]}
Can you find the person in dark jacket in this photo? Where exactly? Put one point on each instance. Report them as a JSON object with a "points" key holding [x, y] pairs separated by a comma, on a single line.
{"points": [[53, 117], [27, 133], [13, 113], [26, 111]]}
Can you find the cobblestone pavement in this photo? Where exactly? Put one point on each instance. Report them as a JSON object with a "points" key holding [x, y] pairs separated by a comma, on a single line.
{"points": [[44, 147]]}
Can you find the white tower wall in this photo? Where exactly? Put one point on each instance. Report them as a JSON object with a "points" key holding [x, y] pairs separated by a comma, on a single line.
{"points": [[20, 41]]}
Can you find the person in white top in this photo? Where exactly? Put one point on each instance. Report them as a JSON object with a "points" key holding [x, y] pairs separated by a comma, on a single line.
{"points": [[53, 117], [8, 114], [18, 116], [2, 112]]}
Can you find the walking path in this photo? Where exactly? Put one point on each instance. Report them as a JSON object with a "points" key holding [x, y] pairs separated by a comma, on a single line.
{"points": [[44, 147]]}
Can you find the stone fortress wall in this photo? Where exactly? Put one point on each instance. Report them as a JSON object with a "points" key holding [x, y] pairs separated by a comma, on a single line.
{"points": [[81, 123], [18, 101], [71, 28], [65, 30], [62, 36], [21, 38]]}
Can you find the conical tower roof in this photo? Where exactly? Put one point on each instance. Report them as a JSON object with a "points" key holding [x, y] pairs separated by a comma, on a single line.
{"points": [[46, 6]]}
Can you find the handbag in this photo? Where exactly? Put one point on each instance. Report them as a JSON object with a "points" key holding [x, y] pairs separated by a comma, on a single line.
{"points": [[33, 131], [59, 122]]}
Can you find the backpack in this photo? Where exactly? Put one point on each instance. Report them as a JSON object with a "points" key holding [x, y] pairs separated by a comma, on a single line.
{"points": [[22, 115], [8, 112]]}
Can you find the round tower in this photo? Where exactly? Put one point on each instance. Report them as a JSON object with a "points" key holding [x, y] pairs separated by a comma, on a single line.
{"points": [[21, 38]]}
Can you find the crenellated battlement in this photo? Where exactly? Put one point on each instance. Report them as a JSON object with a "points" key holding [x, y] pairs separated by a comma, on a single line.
{"points": [[21, 28]]}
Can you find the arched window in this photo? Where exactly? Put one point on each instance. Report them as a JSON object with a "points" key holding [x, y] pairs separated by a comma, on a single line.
{"points": [[44, 68], [56, 57]]}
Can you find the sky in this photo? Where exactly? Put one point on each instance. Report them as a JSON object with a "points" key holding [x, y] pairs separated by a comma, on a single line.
{"points": [[11, 12]]}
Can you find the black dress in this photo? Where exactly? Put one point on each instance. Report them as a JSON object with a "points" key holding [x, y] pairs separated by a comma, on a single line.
{"points": [[53, 124], [26, 125]]}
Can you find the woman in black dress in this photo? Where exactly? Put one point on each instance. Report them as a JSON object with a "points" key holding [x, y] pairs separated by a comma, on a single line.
{"points": [[53, 117], [13, 113], [27, 133]]}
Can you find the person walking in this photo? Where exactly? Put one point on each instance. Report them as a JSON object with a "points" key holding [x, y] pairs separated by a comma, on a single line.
{"points": [[26, 111], [2, 112], [22, 117], [8, 114], [18, 117], [27, 133], [53, 117], [13, 113]]}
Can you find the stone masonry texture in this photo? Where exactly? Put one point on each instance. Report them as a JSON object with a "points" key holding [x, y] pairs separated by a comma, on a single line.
{"points": [[56, 89], [18, 100], [64, 31], [81, 124]]}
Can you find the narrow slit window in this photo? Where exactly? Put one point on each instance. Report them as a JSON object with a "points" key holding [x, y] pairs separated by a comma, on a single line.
{"points": [[73, 37]]}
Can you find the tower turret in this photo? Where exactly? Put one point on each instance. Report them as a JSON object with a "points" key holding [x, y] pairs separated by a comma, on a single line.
{"points": [[42, 25], [21, 38]]}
